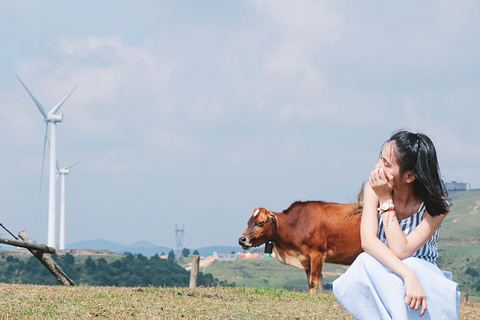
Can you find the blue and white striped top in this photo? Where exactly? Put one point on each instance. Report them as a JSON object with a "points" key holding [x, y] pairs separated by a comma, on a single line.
{"points": [[429, 251]]}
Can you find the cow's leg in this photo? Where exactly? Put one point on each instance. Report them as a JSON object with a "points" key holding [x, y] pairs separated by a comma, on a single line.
{"points": [[307, 271], [315, 280]]}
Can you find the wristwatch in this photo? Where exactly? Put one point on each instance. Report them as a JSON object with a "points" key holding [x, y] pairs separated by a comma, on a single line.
{"points": [[385, 207]]}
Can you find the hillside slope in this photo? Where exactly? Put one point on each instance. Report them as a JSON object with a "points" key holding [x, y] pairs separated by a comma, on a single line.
{"points": [[463, 222]]}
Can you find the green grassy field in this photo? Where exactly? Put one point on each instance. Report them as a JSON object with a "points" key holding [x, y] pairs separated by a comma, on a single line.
{"points": [[268, 273], [54, 302], [463, 221]]}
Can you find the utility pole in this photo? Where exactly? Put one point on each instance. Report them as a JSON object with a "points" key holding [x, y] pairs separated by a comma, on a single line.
{"points": [[179, 234]]}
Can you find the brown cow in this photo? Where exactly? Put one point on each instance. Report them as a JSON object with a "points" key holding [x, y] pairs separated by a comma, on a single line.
{"points": [[308, 234]]}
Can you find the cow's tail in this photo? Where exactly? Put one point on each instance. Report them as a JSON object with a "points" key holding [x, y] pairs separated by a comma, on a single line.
{"points": [[359, 202]]}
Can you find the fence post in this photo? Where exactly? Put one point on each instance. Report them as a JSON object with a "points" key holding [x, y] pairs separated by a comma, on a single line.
{"points": [[48, 262], [194, 271], [465, 297]]}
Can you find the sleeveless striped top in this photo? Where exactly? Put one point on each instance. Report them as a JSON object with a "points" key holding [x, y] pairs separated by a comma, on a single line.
{"points": [[429, 250]]}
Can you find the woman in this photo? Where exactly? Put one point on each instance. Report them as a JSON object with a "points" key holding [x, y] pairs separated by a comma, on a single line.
{"points": [[405, 202]]}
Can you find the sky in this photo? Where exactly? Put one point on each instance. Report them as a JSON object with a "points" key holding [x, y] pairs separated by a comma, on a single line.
{"points": [[194, 113]]}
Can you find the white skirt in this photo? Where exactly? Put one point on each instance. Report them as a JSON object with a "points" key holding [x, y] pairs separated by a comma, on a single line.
{"points": [[369, 290]]}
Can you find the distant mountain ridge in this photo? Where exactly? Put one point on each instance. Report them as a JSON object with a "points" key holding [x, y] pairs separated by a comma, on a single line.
{"points": [[144, 247]]}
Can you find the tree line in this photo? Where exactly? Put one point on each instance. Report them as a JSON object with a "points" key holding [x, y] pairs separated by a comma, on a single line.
{"points": [[129, 271]]}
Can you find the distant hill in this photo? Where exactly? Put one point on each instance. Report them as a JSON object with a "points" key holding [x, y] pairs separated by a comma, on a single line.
{"points": [[463, 221], [143, 247]]}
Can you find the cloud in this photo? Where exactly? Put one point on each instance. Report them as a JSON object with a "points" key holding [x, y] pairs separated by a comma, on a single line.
{"points": [[304, 30], [16, 123], [113, 78], [453, 127], [453, 18]]}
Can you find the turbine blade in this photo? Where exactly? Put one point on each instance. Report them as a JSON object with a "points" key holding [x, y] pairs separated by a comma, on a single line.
{"points": [[38, 104], [55, 109], [72, 165], [43, 156]]}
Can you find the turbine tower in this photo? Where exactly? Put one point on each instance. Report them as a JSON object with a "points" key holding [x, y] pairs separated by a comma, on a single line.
{"points": [[51, 119], [62, 173]]}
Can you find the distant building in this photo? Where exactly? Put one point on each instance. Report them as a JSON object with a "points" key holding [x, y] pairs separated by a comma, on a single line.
{"points": [[227, 257], [456, 186]]}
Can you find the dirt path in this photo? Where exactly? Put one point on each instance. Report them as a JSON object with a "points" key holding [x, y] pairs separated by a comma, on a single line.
{"points": [[205, 262]]}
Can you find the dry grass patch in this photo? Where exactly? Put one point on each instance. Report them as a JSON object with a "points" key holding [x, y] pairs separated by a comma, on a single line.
{"points": [[55, 302]]}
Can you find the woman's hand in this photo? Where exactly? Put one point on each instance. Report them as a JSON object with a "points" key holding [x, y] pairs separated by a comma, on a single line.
{"points": [[415, 296], [382, 184]]}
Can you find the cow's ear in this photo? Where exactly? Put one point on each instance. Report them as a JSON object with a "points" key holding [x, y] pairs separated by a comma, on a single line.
{"points": [[271, 218]]}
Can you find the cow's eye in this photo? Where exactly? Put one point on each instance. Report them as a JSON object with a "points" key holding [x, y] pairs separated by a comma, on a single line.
{"points": [[260, 224]]}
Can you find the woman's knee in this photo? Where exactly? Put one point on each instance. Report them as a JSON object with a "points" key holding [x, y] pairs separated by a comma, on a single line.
{"points": [[365, 258]]}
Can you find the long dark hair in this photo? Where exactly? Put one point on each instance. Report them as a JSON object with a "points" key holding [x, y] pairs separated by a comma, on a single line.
{"points": [[416, 152]]}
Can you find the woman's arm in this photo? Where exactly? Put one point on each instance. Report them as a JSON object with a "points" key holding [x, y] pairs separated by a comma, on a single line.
{"points": [[369, 234], [415, 296], [404, 246]]}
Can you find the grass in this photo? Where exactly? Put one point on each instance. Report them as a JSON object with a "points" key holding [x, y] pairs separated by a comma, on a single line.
{"points": [[458, 258], [259, 273], [53, 302], [48, 302], [454, 252], [268, 273], [464, 218]]}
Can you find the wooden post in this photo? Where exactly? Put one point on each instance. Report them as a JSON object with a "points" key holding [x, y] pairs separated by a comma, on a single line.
{"points": [[194, 271], [465, 297], [48, 262]]}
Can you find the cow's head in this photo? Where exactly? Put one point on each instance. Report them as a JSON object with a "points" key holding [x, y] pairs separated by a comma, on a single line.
{"points": [[261, 228]]}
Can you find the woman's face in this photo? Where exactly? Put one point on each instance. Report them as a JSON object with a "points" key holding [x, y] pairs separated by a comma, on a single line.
{"points": [[388, 162]]}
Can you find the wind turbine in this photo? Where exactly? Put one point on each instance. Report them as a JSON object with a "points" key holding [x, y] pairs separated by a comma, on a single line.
{"points": [[62, 173], [51, 119]]}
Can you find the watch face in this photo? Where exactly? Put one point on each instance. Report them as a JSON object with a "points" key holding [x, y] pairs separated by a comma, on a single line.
{"points": [[385, 206]]}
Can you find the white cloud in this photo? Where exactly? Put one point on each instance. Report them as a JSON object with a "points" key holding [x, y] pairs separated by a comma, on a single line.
{"points": [[453, 18], [17, 124], [114, 81], [310, 22], [303, 29], [444, 122]]}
